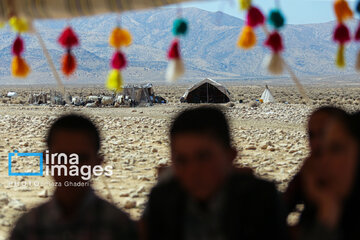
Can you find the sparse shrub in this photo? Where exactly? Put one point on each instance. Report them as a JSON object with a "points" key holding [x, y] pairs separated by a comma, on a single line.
{"points": [[254, 104]]}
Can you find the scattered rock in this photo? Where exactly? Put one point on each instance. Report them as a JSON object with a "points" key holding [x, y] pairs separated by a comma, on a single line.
{"points": [[254, 104], [5, 223], [162, 162], [17, 205], [124, 194], [130, 204], [264, 146], [43, 194], [4, 199], [141, 189], [250, 147], [143, 178], [134, 195]]}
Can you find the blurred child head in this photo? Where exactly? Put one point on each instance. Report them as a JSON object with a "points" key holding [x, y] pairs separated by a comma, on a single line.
{"points": [[74, 134], [201, 150], [317, 123]]}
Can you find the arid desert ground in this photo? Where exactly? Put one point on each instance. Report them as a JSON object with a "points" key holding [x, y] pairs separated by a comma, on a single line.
{"points": [[271, 139]]}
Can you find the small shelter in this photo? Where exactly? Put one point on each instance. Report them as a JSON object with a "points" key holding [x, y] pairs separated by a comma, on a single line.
{"points": [[38, 98], [140, 94], [267, 97], [206, 91]]}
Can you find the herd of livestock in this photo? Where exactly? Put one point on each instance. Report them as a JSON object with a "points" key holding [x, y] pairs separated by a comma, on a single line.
{"points": [[91, 101], [98, 101]]}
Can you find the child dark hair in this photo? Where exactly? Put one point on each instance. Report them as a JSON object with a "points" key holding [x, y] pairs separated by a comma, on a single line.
{"points": [[203, 120], [74, 122], [330, 110], [356, 124], [349, 121]]}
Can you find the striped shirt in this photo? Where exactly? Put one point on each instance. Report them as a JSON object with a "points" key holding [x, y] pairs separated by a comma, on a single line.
{"points": [[96, 219]]}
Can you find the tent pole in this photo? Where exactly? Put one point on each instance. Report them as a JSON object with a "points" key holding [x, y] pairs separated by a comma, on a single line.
{"points": [[298, 85], [207, 93], [51, 63]]}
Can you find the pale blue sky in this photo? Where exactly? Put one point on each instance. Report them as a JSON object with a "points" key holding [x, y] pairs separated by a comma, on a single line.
{"points": [[296, 11]]}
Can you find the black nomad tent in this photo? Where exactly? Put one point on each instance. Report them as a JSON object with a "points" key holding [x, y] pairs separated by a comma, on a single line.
{"points": [[206, 91]]}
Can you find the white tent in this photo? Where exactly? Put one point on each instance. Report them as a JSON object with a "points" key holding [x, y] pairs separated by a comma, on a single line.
{"points": [[267, 97]]}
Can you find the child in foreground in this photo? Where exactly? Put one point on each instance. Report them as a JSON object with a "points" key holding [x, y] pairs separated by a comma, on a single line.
{"points": [[207, 198], [75, 211]]}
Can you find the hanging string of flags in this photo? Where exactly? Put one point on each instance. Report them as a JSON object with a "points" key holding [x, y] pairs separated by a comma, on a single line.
{"points": [[120, 37], [274, 41], [19, 67], [176, 67], [342, 32], [247, 40], [68, 40], [64, 9], [254, 18]]}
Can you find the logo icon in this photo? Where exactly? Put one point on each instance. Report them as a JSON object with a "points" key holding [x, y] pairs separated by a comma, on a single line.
{"points": [[17, 154]]}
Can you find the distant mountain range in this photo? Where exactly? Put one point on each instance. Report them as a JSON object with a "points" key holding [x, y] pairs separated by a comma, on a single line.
{"points": [[209, 49]]}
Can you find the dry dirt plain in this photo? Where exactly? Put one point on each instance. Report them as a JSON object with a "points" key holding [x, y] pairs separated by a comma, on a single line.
{"points": [[271, 139]]}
